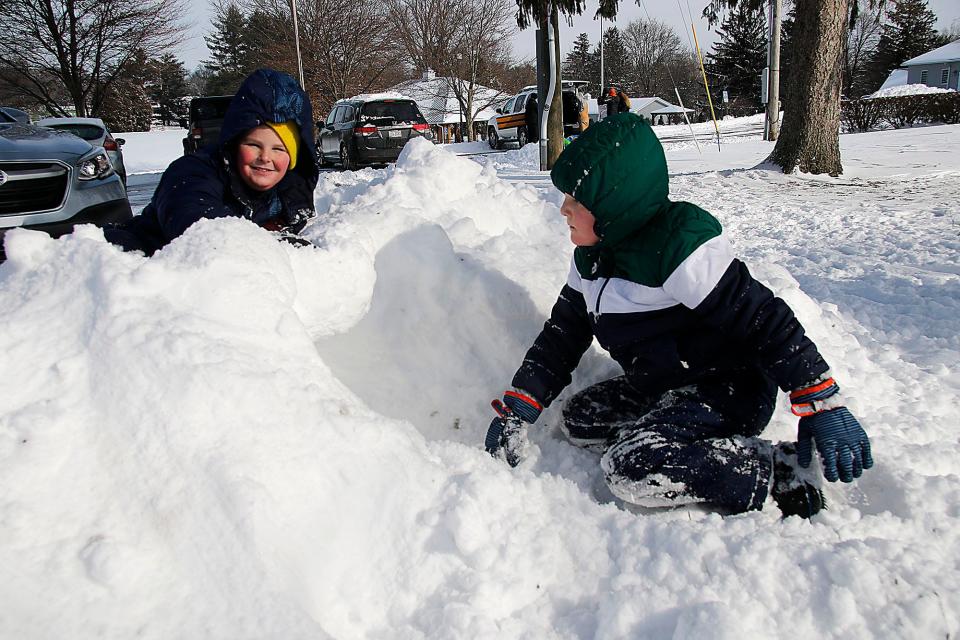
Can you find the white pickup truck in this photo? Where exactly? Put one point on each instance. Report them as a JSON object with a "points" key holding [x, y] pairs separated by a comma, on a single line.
{"points": [[510, 125]]}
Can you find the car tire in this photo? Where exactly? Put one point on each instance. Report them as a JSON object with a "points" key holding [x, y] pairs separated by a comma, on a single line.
{"points": [[493, 139], [346, 160], [521, 136]]}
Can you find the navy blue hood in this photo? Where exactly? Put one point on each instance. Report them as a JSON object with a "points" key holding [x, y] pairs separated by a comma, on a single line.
{"points": [[272, 96]]}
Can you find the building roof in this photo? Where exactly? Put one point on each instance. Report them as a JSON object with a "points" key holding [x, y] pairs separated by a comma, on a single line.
{"points": [[655, 105], [946, 53], [434, 95]]}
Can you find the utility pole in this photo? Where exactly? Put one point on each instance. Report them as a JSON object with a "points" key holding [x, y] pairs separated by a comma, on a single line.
{"points": [[600, 95], [771, 128], [296, 39]]}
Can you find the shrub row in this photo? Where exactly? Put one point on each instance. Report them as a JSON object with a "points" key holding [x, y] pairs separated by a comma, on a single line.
{"points": [[900, 111]]}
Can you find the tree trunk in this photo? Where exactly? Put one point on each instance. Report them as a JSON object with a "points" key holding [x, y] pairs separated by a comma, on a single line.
{"points": [[555, 117], [810, 137]]}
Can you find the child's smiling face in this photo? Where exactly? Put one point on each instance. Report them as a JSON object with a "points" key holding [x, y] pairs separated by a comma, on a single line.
{"points": [[580, 221]]}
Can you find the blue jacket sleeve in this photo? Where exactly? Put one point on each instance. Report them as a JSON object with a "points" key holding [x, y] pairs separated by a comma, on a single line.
{"points": [[190, 190], [748, 313], [549, 363]]}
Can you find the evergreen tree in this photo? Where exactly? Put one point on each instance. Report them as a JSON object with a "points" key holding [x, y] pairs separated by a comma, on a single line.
{"points": [[229, 46], [740, 55], [577, 63], [124, 103], [616, 61], [907, 33], [168, 87]]}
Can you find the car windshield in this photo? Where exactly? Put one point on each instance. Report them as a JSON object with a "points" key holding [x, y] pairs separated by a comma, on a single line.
{"points": [[86, 131], [387, 112], [5, 118]]}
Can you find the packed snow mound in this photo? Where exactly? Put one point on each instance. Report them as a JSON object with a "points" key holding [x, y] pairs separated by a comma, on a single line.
{"points": [[908, 90], [243, 438]]}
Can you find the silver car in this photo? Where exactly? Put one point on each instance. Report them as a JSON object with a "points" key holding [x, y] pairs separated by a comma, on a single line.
{"points": [[94, 131], [52, 180]]}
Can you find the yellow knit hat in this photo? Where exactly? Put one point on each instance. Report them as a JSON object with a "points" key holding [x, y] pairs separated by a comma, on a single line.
{"points": [[290, 137]]}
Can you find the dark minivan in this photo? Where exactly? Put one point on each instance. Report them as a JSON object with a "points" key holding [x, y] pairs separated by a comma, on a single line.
{"points": [[369, 130], [206, 116]]}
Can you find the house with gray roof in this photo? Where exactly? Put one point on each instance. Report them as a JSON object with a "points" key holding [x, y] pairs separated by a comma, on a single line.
{"points": [[438, 102], [937, 68]]}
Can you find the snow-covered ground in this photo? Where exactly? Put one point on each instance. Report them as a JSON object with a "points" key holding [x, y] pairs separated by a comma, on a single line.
{"points": [[243, 439]]}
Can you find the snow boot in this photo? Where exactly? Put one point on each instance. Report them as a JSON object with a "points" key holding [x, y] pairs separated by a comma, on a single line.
{"points": [[792, 489]]}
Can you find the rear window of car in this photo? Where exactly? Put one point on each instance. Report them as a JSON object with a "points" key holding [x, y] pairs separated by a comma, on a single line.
{"points": [[392, 111], [209, 108], [86, 131]]}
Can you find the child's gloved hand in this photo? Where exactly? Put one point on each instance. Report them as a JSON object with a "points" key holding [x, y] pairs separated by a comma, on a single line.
{"points": [[842, 443], [506, 436]]}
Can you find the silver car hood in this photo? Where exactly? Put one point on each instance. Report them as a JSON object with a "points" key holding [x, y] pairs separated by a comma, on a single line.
{"points": [[29, 142]]}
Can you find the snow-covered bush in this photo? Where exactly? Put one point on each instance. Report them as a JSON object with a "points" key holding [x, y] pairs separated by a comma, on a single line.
{"points": [[898, 111]]}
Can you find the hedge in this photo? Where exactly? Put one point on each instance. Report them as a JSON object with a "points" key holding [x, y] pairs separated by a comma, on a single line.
{"points": [[900, 111]]}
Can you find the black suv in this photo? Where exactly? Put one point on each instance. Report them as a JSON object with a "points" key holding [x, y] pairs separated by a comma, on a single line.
{"points": [[206, 116], [364, 131]]}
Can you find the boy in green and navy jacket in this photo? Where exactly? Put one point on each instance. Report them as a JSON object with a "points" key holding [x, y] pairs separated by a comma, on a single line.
{"points": [[703, 347]]}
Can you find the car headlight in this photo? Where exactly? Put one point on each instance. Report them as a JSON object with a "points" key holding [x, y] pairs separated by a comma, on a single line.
{"points": [[95, 167]]}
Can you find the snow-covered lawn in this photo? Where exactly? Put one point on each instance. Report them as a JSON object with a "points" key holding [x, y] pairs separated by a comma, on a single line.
{"points": [[243, 439]]}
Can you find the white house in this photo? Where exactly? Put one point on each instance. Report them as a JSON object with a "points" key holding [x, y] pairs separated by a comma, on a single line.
{"points": [[435, 97], [657, 110]]}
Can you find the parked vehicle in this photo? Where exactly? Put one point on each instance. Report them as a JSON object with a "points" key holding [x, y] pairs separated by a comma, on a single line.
{"points": [[17, 114], [203, 123], [52, 180], [369, 130], [94, 131], [511, 123]]}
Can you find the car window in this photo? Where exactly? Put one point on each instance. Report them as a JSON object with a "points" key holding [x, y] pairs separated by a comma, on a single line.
{"points": [[520, 103], [386, 112], [507, 106], [333, 116], [5, 118], [86, 131], [348, 112]]}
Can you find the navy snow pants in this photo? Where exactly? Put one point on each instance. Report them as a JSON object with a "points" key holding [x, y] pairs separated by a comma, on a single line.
{"points": [[695, 444]]}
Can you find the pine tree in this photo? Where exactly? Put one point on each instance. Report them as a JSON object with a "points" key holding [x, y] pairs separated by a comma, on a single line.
{"points": [[577, 63], [740, 55], [228, 44], [907, 33], [168, 87], [616, 61]]}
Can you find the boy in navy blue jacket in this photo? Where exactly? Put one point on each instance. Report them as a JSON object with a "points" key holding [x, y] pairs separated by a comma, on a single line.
{"points": [[263, 169], [703, 347]]}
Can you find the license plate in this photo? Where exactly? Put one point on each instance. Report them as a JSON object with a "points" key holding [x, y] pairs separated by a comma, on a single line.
{"points": [[393, 133]]}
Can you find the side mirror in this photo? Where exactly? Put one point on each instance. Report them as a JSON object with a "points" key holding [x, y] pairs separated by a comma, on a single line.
{"points": [[120, 142], [499, 110]]}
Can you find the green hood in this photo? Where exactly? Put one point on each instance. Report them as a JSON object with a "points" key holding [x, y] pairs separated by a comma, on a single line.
{"points": [[617, 170]]}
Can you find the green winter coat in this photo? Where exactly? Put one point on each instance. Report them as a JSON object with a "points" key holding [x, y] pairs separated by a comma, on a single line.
{"points": [[617, 170]]}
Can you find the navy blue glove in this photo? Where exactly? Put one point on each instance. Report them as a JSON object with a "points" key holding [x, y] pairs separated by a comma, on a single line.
{"points": [[842, 443], [506, 436]]}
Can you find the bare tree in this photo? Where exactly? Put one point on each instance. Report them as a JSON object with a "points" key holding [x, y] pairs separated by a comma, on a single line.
{"points": [[862, 41], [81, 46], [342, 57], [425, 30], [467, 43], [653, 47]]}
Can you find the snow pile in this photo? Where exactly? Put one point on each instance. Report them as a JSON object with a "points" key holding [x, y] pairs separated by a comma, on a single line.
{"points": [[908, 90], [240, 438]]}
